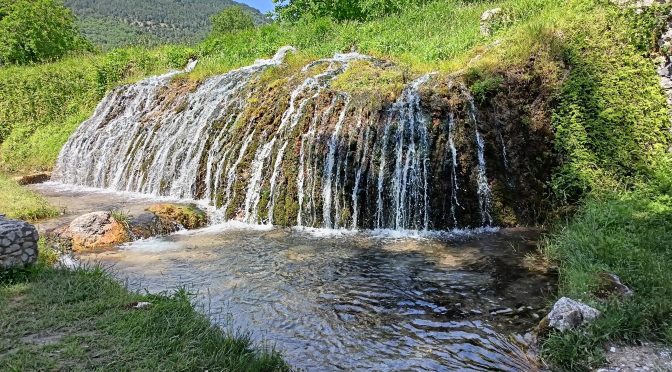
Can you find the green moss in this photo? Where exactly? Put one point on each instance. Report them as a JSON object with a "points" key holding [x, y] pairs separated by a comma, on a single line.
{"points": [[189, 215], [364, 78]]}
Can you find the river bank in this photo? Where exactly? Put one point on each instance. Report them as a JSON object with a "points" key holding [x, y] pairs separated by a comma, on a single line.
{"points": [[60, 319]]}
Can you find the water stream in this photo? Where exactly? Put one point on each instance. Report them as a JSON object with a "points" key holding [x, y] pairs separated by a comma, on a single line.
{"points": [[340, 299]]}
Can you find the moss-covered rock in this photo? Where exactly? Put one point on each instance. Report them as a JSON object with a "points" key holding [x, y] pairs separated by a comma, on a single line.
{"points": [[188, 216]]}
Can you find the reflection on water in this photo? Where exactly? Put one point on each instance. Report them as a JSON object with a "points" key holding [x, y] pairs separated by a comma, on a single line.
{"points": [[354, 301]]}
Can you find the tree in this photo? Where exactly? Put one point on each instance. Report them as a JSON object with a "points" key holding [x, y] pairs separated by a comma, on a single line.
{"points": [[37, 31], [232, 19], [341, 10]]}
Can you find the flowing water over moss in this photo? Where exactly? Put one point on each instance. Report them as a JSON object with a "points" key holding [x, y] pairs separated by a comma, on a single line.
{"points": [[276, 143]]}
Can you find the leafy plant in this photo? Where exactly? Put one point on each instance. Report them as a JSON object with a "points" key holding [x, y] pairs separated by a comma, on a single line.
{"points": [[231, 19], [37, 31]]}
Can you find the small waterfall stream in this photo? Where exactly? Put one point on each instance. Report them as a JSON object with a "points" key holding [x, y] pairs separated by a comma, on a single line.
{"points": [[310, 156]]}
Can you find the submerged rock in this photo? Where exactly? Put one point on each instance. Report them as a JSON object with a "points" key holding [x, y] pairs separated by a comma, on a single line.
{"points": [[91, 231], [148, 224], [569, 314]]}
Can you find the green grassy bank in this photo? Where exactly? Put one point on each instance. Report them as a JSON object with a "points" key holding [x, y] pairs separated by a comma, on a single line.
{"points": [[629, 234], [82, 319], [20, 203]]}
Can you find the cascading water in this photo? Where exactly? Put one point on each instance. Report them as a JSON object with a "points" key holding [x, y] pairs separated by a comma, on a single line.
{"points": [[484, 193], [302, 154]]}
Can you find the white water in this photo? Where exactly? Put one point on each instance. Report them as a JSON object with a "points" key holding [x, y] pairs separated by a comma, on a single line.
{"points": [[484, 193], [326, 156]]}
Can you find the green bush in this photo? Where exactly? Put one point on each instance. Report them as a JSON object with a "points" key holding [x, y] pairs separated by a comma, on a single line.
{"points": [[37, 31], [231, 19]]}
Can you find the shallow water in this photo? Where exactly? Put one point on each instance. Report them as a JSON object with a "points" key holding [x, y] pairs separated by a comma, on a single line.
{"points": [[333, 300]]}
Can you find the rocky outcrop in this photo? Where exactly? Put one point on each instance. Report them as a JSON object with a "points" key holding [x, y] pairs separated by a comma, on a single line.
{"points": [[18, 243], [34, 178], [569, 314], [180, 216], [610, 285], [103, 230], [488, 19], [91, 231]]}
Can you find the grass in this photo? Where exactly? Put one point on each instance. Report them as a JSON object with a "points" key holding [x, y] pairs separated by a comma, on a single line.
{"points": [[628, 234], [82, 319], [20, 203], [41, 105]]}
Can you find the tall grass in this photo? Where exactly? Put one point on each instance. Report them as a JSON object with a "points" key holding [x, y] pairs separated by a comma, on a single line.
{"points": [[628, 234], [83, 319]]}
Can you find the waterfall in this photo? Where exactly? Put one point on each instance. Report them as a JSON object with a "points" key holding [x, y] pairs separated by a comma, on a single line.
{"points": [[454, 186], [294, 152], [483, 191]]}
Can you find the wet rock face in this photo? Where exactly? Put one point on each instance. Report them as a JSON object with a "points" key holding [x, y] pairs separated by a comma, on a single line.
{"points": [[305, 145], [18, 243], [162, 219], [93, 230]]}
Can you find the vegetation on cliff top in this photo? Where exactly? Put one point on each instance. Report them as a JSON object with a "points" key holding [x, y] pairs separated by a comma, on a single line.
{"points": [[37, 31]]}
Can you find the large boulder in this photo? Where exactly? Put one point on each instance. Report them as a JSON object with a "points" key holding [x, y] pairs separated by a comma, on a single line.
{"points": [[18, 243], [569, 314], [93, 230]]}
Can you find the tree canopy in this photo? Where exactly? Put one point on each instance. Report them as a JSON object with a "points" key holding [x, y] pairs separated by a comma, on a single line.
{"points": [[36, 31], [341, 10], [231, 19]]}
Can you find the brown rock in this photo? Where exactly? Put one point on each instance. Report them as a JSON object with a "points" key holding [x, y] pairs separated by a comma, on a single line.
{"points": [[33, 178], [93, 230]]}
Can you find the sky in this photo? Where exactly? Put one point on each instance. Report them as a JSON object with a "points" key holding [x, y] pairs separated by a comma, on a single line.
{"points": [[263, 5]]}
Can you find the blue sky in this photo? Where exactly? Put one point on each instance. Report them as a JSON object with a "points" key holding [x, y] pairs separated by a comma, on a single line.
{"points": [[263, 5]]}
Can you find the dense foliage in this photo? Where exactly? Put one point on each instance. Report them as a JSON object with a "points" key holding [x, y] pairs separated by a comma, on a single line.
{"points": [[36, 31], [341, 10], [112, 23], [629, 234], [611, 119], [232, 19]]}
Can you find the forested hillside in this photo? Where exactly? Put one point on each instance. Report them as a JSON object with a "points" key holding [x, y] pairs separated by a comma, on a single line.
{"points": [[111, 23]]}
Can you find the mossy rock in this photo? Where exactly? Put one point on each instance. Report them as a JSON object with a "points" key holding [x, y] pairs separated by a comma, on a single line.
{"points": [[188, 216]]}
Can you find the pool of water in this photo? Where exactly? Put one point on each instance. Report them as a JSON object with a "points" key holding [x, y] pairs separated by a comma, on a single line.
{"points": [[343, 300]]}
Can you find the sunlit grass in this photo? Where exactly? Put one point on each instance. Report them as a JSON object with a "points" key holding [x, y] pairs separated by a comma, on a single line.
{"points": [[20, 203]]}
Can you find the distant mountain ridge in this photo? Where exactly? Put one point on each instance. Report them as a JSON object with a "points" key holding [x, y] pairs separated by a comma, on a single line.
{"points": [[112, 23]]}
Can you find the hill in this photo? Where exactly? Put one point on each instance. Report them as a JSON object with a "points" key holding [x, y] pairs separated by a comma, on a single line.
{"points": [[113, 23]]}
